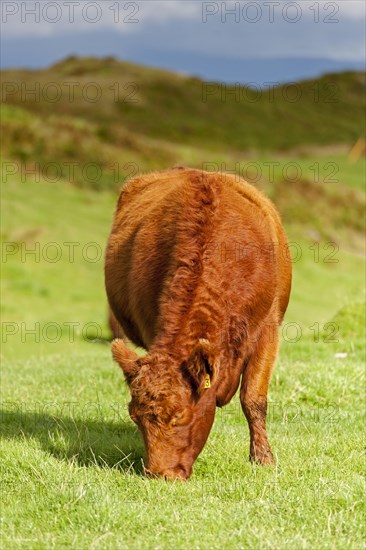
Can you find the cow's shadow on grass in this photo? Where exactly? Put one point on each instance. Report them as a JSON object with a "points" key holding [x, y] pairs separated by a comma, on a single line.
{"points": [[88, 443]]}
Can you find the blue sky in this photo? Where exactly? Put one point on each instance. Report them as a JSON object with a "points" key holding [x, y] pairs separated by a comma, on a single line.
{"points": [[232, 41]]}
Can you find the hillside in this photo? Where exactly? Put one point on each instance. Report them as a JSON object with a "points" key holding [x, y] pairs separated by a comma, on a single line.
{"points": [[96, 122], [110, 99]]}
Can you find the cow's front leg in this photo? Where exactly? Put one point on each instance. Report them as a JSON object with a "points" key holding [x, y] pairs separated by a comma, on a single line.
{"points": [[253, 393]]}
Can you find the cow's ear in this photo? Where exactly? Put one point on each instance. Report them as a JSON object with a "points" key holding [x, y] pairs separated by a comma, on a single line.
{"points": [[202, 366], [126, 358]]}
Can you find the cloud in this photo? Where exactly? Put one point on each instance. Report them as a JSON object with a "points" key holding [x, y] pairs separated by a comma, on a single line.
{"points": [[64, 16], [50, 17], [161, 10], [235, 29], [354, 9]]}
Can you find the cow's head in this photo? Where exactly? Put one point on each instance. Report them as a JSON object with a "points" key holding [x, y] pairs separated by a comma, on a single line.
{"points": [[172, 403]]}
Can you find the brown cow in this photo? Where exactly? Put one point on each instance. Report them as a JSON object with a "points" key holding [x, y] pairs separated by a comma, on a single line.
{"points": [[197, 272]]}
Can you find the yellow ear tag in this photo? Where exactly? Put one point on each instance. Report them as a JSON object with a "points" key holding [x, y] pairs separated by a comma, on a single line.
{"points": [[207, 382]]}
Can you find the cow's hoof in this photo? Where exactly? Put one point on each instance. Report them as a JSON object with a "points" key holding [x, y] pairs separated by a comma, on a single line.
{"points": [[263, 457]]}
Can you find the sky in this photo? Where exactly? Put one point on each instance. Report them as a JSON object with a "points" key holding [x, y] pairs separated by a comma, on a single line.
{"points": [[233, 41]]}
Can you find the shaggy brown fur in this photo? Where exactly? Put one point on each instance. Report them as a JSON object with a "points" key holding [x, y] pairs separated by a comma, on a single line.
{"points": [[197, 272]]}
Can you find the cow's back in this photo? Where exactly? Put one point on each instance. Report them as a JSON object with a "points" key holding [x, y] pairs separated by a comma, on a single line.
{"points": [[181, 231]]}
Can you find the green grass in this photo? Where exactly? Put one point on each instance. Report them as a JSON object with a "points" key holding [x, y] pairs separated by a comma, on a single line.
{"points": [[72, 459]]}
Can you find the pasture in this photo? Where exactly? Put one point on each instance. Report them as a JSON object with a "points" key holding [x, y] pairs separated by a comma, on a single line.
{"points": [[71, 457]]}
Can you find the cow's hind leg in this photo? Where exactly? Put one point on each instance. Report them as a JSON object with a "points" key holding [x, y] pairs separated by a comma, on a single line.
{"points": [[253, 393]]}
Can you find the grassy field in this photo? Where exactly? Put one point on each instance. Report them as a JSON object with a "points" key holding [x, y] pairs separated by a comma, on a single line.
{"points": [[71, 459]]}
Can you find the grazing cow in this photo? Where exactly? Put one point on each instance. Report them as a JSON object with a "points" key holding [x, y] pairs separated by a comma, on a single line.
{"points": [[197, 272]]}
